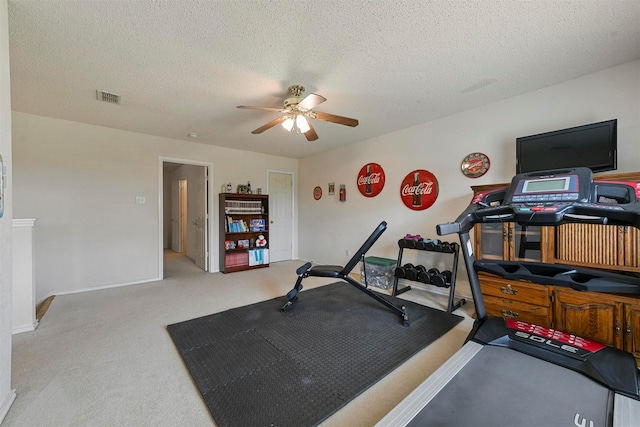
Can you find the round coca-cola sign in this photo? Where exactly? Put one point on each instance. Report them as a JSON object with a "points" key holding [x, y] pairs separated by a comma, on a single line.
{"points": [[419, 190], [371, 180]]}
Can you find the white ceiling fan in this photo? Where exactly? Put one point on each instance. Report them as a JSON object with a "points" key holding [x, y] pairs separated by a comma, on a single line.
{"points": [[298, 110]]}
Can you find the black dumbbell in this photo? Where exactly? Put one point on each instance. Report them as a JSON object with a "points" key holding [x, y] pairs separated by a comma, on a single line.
{"points": [[411, 243], [448, 248], [431, 244], [425, 277], [424, 244], [402, 243], [413, 272], [401, 272], [442, 280]]}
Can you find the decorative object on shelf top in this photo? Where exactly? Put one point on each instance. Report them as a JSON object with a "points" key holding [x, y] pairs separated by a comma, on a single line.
{"points": [[261, 242], [243, 207], [475, 165], [244, 189], [371, 180], [419, 190]]}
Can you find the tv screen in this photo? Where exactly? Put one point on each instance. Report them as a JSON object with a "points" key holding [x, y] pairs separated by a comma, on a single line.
{"points": [[593, 146]]}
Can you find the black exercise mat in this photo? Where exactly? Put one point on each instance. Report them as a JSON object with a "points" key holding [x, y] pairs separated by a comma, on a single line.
{"points": [[257, 366]]}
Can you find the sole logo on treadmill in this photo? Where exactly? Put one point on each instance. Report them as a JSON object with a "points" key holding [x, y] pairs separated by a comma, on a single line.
{"points": [[553, 340]]}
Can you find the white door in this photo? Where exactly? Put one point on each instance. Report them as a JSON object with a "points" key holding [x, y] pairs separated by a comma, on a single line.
{"points": [[201, 222], [177, 215], [280, 216]]}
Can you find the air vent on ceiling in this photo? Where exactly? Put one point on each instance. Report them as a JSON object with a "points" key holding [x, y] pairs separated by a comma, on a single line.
{"points": [[111, 98]]}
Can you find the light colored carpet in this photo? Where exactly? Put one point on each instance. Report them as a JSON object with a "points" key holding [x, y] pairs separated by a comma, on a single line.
{"points": [[104, 358]]}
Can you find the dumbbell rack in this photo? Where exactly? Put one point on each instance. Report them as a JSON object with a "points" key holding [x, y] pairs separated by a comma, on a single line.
{"points": [[432, 247]]}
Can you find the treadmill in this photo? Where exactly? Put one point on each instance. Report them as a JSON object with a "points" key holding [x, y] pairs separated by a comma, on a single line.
{"points": [[514, 373]]}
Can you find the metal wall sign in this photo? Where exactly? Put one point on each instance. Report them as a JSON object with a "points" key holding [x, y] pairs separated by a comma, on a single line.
{"points": [[475, 165], [419, 190], [317, 193], [371, 180]]}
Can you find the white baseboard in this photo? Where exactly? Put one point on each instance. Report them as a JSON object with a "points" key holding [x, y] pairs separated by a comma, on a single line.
{"points": [[24, 328], [116, 285], [4, 409]]}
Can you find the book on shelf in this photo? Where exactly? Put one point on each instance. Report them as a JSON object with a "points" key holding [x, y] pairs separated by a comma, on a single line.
{"points": [[236, 225], [240, 259], [258, 257], [257, 224], [245, 207]]}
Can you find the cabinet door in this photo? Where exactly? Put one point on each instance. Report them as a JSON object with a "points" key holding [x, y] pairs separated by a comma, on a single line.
{"points": [[525, 243], [632, 330], [589, 315], [587, 244], [509, 241], [492, 241]]}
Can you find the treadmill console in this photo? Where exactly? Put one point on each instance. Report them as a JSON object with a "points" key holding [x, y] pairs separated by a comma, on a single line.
{"points": [[529, 191], [557, 196]]}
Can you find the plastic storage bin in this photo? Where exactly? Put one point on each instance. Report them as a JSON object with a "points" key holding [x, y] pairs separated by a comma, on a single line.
{"points": [[380, 271]]}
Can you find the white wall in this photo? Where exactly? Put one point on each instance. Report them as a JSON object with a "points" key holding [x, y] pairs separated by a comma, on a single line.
{"points": [[6, 319], [80, 183], [327, 227]]}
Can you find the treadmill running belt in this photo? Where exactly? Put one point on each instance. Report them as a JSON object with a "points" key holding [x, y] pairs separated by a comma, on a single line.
{"points": [[516, 389]]}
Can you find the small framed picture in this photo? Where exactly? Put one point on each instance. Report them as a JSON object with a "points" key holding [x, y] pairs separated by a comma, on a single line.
{"points": [[332, 188]]}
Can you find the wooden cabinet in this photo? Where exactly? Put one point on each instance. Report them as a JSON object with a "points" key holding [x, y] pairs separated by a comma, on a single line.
{"points": [[516, 299], [243, 217]]}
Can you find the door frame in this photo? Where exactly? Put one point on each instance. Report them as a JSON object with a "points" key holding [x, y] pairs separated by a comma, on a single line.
{"points": [[294, 222], [212, 232]]}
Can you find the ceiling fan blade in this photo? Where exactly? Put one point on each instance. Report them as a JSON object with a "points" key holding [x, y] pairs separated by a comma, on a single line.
{"points": [[311, 101], [269, 125], [336, 119], [311, 133], [246, 107]]}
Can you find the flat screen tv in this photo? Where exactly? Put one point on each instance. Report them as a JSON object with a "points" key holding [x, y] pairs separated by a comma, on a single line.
{"points": [[593, 146]]}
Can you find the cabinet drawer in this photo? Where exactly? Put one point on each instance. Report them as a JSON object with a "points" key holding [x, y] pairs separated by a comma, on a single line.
{"points": [[515, 290], [510, 309]]}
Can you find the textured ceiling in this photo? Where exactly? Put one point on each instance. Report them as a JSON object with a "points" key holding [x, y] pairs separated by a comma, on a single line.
{"points": [[183, 66]]}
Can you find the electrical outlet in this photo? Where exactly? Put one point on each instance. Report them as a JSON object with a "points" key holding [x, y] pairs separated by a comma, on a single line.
{"points": [[348, 252], [141, 200]]}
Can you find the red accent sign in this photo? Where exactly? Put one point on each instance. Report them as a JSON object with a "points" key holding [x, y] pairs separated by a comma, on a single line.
{"points": [[371, 180], [317, 193], [419, 190], [552, 334]]}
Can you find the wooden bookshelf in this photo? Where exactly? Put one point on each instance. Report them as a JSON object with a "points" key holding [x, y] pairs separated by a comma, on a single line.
{"points": [[243, 217]]}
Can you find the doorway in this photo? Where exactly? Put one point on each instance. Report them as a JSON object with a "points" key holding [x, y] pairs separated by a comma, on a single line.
{"points": [[281, 215], [184, 212]]}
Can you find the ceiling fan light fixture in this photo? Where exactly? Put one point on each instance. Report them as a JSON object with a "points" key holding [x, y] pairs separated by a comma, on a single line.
{"points": [[288, 124], [302, 123]]}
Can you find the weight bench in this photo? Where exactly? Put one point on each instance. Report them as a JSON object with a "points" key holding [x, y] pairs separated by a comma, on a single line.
{"points": [[339, 272]]}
